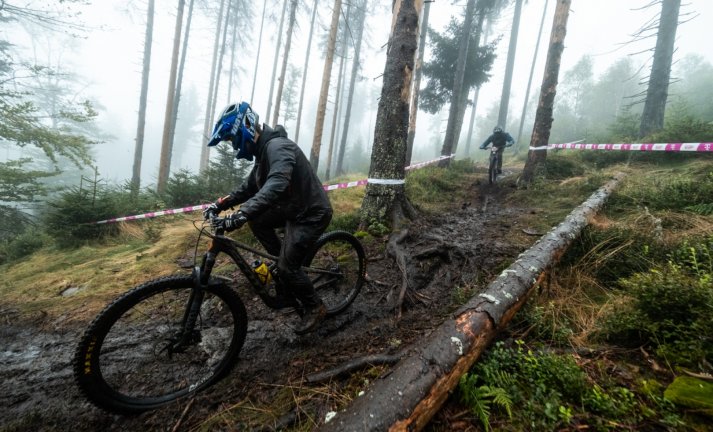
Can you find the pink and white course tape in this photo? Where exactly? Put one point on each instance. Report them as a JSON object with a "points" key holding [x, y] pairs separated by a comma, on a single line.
{"points": [[203, 206], [703, 147]]}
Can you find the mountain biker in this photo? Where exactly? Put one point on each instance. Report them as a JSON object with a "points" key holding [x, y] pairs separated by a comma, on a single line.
{"points": [[282, 190], [500, 139]]}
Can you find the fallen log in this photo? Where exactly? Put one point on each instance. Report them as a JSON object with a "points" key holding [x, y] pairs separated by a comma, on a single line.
{"points": [[407, 398]]}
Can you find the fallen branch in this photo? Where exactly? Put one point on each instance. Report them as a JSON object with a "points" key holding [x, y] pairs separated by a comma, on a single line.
{"points": [[183, 415], [414, 391], [354, 364]]}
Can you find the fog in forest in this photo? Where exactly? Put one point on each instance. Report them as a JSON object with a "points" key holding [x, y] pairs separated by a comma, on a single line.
{"points": [[95, 50]]}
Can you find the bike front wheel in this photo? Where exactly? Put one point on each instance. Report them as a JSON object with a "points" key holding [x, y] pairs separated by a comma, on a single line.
{"points": [[136, 357], [493, 169], [337, 268]]}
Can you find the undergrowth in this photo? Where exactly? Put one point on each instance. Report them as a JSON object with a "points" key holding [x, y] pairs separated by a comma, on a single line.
{"points": [[519, 388], [638, 280]]}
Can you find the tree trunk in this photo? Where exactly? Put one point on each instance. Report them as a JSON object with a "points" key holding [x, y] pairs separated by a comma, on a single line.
{"points": [[464, 99], [324, 91], [451, 139], [529, 81], [476, 94], [337, 97], [304, 70], [352, 85], [385, 200], [257, 55], [417, 84], [233, 41], [220, 62], [165, 162], [205, 150], [657, 93], [509, 66], [407, 398], [274, 63], [543, 116], [138, 149], [179, 83], [285, 58]]}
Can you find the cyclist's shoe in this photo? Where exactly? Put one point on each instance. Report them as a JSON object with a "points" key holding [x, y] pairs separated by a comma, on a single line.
{"points": [[311, 319]]}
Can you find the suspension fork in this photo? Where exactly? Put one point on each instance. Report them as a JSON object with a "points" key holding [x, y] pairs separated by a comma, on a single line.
{"points": [[201, 275]]}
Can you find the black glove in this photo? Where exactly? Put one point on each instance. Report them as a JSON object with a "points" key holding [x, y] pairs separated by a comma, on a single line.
{"points": [[232, 222], [218, 206], [211, 211]]}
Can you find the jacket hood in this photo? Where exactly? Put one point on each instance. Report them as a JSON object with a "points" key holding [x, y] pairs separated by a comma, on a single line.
{"points": [[268, 134]]}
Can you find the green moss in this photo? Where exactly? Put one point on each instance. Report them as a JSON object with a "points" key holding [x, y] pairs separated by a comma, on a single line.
{"points": [[691, 393]]}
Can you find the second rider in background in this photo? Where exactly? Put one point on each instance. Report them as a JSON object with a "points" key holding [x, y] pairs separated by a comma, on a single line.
{"points": [[500, 139]]}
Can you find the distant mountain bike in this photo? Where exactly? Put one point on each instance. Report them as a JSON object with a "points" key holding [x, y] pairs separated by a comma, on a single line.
{"points": [[493, 163], [174, 336]]}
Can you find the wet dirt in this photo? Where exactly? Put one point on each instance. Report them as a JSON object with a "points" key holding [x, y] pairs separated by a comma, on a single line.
{"points": [[449, 257]]}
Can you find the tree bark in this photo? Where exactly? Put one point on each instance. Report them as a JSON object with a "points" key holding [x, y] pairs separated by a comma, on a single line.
{"points": [[324, 91], [543, 116], [451, 139], [417, 84], [304, 71], [529, 81], [233, 41], [257, 56], [220, 62], [385, 200], [274, 63], [205, 151], [657, 93], [285, 58], [179, 83], [509, 66], [139, 147], [476, 94], [337, 97], [408, 397], [164, 167], [352, 84]]}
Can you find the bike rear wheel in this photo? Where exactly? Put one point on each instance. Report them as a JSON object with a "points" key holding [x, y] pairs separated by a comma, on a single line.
{"points": [[128, 360], [337, 268]]}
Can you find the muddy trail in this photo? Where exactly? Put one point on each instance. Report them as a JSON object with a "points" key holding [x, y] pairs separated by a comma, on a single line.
{"points": [[449, 258]]}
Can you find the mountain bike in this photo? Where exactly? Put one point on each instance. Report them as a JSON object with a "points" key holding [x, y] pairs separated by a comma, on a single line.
{"points": [[174, 336], [494, 162]]}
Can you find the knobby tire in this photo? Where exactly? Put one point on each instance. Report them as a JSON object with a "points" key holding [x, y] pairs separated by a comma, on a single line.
{"points": [[122, 363], [342, 255], [493, 169]]}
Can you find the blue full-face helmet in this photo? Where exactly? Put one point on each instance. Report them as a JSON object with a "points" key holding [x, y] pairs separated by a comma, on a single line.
{"points": [[237, 125]]}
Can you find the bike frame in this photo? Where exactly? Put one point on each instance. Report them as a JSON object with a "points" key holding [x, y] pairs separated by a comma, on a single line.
{"points": [[221, 244]]}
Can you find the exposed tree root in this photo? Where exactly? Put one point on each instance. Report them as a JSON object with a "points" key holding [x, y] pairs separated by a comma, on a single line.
{"points": [[394, 249]]}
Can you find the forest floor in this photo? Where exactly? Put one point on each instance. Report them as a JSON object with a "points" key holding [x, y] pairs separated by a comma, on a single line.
{"points": [[478, 236]]}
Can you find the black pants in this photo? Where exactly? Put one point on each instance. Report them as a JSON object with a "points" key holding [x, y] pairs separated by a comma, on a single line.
{"points": [[500, 158], [298, 240]]}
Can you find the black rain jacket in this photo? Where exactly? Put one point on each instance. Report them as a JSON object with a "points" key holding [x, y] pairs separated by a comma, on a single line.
{"points": [[282, 180], [499, 140]]}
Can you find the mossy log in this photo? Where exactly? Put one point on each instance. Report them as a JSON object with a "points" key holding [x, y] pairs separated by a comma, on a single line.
{"points": [[414, 391]]}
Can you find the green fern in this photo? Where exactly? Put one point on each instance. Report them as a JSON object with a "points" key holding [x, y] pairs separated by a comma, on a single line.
{"points": [[701, 209], [500, 398], [480, 398]]}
